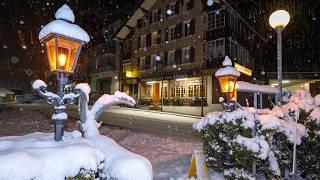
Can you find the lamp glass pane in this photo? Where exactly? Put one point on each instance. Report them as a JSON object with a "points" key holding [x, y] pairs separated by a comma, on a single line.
{"points": [[51, 52], [227, 83], [67, 55]]}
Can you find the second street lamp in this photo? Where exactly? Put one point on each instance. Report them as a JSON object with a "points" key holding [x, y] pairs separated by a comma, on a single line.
{"points": [[278, 20]]}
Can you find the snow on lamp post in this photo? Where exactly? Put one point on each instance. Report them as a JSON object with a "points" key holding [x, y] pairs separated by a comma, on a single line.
{"points": [[63, 41], [227, 77], [278, 20]]}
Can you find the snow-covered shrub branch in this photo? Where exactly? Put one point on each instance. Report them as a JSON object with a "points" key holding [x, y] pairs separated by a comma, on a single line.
{"points": [[89, 124]]}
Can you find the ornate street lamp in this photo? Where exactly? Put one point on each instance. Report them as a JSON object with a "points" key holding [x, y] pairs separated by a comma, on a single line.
{"points": [[278, 20], [227, 77], [63, 41]]}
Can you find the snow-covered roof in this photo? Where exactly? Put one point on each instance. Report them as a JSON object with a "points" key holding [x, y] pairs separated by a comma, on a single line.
{"points": [[131, 22], [245, 86], [227, 69], [4, 92], [63, 27]]}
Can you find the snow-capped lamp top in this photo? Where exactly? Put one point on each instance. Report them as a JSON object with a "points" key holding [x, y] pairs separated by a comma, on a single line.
{"points": [[65, 13], [227, 69], [63, 26]]}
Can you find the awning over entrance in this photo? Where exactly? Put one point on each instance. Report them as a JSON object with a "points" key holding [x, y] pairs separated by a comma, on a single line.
{"points": [[248, 87], [4, 92]]}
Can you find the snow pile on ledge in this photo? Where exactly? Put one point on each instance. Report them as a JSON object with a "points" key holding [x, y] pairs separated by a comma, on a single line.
{"points": [[37, 156], [245, 86], [38, 83], [62, 27]]}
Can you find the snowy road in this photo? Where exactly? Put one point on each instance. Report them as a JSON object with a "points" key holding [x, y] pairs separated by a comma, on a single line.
{"points": [[170, 156]]}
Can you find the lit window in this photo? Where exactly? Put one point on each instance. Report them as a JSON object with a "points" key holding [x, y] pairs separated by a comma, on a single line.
{"points": [[154, 38]]}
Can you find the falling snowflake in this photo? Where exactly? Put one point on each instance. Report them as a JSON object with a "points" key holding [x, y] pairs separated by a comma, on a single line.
{"points": [[158, 58], [24, 47], [21, 22], [209, 2], [5, 46], [169, 11]]}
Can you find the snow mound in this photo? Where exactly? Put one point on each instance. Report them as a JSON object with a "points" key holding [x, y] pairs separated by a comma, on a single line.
{"points": [[38, 83], [317, 100], [37, 156], [61, 26], [65, 13], [227, 71], [120, 163], [227, 61], [64, 28]]}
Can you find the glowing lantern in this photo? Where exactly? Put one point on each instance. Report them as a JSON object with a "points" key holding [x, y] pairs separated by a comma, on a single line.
{"points": [[279, 18], [227, 77], [63, 41]]}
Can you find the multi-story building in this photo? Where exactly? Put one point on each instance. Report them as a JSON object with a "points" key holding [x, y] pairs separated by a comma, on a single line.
{"points": [[104, 70], [171, 49]]}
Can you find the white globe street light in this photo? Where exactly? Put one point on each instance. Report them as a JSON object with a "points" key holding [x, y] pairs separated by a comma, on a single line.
{"points": [[278, 20]]}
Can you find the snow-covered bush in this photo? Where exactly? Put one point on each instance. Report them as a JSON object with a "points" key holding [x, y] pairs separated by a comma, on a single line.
{"points": [[234, 141]]}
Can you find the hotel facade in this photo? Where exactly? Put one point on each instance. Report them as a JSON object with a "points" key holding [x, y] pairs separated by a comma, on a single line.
{"points": [[170, 50]]}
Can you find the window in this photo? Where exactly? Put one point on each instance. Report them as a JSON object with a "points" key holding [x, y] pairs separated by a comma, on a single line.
{"points": [[143, 40], [188, 5], [241, 54], [171, 33], [188, 88], [187, 28], [154, 38], [126, 65], [142, 63], [170, 10], [153, 62], [216, 49], [171, 58], [186, 55], [215, 19]]}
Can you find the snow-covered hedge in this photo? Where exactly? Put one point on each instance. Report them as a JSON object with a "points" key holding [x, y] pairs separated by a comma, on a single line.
{"points": [[234, 141]]}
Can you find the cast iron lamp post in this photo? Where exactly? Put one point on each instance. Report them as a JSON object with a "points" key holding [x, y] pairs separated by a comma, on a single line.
{"points": [[278, 20], [63, 42], [227, 77]]}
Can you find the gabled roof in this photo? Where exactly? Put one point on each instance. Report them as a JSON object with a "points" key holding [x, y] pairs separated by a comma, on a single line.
{"points": [[138, 12]]}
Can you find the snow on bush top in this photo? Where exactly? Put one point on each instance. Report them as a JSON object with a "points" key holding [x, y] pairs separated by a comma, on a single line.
{"points": [[227, 69], [221, 117], [37, 156], [62, 27], [65, 13], [38, 83]]}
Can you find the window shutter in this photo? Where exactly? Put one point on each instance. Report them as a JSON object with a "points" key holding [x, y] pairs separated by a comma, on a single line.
{"points": [[147, 65], [138, 64], [159, 14], [192, 54], [150, 17], [148, 39], [178, 31], [178, 56], [177, 8], [191, 4], [159, 35], [167, 32], [193, 25], [165, 60], [139, 23]]}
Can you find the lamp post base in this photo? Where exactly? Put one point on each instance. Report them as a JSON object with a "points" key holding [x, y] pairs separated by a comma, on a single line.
{"points": [[58, 129]]}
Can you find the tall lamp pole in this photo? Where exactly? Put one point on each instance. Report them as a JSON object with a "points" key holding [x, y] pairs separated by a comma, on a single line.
{"points": [[278, 20]]}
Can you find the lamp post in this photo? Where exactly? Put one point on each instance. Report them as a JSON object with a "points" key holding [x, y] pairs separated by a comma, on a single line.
{"points": [[278, 20], [63, 42], [227, 77], [158, 60]]}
